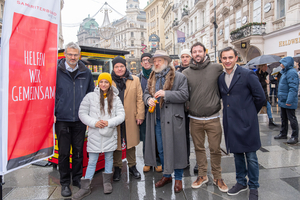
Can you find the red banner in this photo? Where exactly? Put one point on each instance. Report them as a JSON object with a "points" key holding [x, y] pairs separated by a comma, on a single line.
{"points": [[30, 96]]}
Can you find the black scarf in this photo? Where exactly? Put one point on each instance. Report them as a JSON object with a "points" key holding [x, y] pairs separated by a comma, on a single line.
{"points": [[121, 83]]}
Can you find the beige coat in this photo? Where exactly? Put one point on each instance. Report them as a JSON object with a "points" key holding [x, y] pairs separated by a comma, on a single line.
{"points": [[134, 109]]}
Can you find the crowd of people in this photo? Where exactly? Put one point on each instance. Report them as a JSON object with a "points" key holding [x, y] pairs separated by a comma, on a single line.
{"points": [[162, 106]]}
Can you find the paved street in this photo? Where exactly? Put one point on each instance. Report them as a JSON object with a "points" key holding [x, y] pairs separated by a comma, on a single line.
{"points": [[279, 176]]}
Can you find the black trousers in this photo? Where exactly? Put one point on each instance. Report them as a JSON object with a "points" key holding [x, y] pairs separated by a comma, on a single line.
{"points": [[187, 132], [70, 133], [289, 114]]}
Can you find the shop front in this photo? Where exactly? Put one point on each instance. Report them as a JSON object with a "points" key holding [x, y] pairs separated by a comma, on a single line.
{"points": [[284, 42]]}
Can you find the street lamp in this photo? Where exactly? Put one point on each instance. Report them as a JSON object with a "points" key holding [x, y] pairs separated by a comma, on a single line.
{"points": [[106, 30]]}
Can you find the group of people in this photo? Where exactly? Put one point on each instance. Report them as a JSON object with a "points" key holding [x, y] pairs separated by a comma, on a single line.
{"points": [[186, 100]]}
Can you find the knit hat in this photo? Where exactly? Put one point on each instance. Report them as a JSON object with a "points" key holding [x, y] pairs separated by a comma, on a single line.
{"points": [[185, 51], [119, 59], [106, 76], [146, 55]]}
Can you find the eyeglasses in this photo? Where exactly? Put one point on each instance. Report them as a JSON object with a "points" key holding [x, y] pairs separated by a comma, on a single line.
{"points": [[145, 60], [71, 55]]}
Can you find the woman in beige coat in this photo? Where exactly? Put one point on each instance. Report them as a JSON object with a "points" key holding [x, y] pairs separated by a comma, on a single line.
{"points": [[131, 95]]}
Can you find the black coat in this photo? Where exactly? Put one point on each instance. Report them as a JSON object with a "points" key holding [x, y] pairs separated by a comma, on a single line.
{"points": [[241, 103], [262, 77]]}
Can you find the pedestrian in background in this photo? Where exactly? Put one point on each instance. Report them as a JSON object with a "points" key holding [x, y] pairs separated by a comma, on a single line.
{"points": [[166, 124], [204, 107], [243, 97], [144, 76], [101, 110], [74, 80], [288, 99], [186, 57], [273, 89], [131, 95], [262, 76]]}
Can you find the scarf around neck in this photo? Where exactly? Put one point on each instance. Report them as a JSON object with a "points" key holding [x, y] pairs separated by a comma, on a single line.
{"points": [[146, 72]]}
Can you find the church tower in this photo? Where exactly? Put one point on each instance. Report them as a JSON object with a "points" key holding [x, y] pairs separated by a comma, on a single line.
{"points": [[132, 5]]}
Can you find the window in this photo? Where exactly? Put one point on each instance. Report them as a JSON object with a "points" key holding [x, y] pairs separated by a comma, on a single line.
{"points": [[132, 52], [191, 27], [132, 43], [257, 11], [143, 42], [226, 34], [203, 17], [195, 24], [238, 21], [132, 34], [142, 26], [280, 8], [142, 34]]}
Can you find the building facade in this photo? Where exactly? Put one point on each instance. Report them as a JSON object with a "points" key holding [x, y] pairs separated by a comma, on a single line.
{"points": [[191, 18], [88, 34], [1, 16], [257, 27], [155, 25]]}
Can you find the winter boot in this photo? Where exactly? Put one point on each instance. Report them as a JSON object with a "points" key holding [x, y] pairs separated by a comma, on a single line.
{"points": [[107, 182], [271, 122], [84, 191]]}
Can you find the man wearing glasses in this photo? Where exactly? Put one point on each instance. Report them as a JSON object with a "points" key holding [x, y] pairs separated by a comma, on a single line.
{"points": [[144, 76], [74, 80]]}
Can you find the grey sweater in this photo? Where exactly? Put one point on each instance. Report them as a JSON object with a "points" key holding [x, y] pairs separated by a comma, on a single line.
{"points": [[203, 88]]}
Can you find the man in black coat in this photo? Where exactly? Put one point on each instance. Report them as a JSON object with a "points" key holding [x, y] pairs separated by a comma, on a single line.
{"points": [[243, 97], [74, 80]]}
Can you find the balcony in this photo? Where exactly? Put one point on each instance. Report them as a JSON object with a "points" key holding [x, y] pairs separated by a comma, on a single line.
{"points": [[199, 3], [248, 30], [175, 7], [184, 15]]}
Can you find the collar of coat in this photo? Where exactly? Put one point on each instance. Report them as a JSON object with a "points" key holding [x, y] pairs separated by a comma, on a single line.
{"points": [[197, 66], [167, 86], [62, 67]]}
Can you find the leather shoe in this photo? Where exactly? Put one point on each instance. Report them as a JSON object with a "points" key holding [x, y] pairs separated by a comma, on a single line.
{"points": [[163, 182], [65, 191], [178, 186], [117, 174], [77, 184], [280, 136], [133, 171], [196, 169], [292, 140]]}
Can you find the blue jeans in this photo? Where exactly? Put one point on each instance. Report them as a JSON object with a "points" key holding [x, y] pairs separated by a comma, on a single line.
{"points": [[93, 158], [177, 173], [269, 110], [159, 142], [252, 169]]}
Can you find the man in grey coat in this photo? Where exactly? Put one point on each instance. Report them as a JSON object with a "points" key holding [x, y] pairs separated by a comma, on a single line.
{"points": [[166, 124]]}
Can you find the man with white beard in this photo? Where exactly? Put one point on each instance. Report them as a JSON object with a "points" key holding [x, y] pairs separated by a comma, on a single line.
{"points": [[166, 124]]}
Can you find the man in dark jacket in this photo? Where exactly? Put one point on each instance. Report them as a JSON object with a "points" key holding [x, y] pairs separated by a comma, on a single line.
{"points": [[243, 97], [185, 58], [204, 107], [74, 80], [288, 99], [144, 76], [262, 77]]}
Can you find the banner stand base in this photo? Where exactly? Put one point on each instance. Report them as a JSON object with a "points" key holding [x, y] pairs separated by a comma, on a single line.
{"points": [[1, 183]]}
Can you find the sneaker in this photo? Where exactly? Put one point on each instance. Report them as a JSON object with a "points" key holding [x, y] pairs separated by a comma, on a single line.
{"points": [[237, 189], [158, 168], [146, 168], [221, 185], [253, 195], [200, 181]]}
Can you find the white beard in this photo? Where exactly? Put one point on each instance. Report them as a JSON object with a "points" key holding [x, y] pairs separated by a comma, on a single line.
{"points": [[157, 70]]}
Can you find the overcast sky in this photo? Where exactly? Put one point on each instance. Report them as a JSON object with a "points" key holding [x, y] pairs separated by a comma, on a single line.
{"points": [[75, 11]]}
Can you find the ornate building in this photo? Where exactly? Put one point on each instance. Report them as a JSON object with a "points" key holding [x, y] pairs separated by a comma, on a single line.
{"points": [[88, 34], [1, 16], [130, 35], [257, 27]]}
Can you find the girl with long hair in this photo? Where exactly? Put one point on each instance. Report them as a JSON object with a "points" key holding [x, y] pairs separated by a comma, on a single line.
{"points": [[101, 110]]}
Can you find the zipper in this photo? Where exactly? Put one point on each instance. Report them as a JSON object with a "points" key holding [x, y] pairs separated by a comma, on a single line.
{"points": [[74, 100]]}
